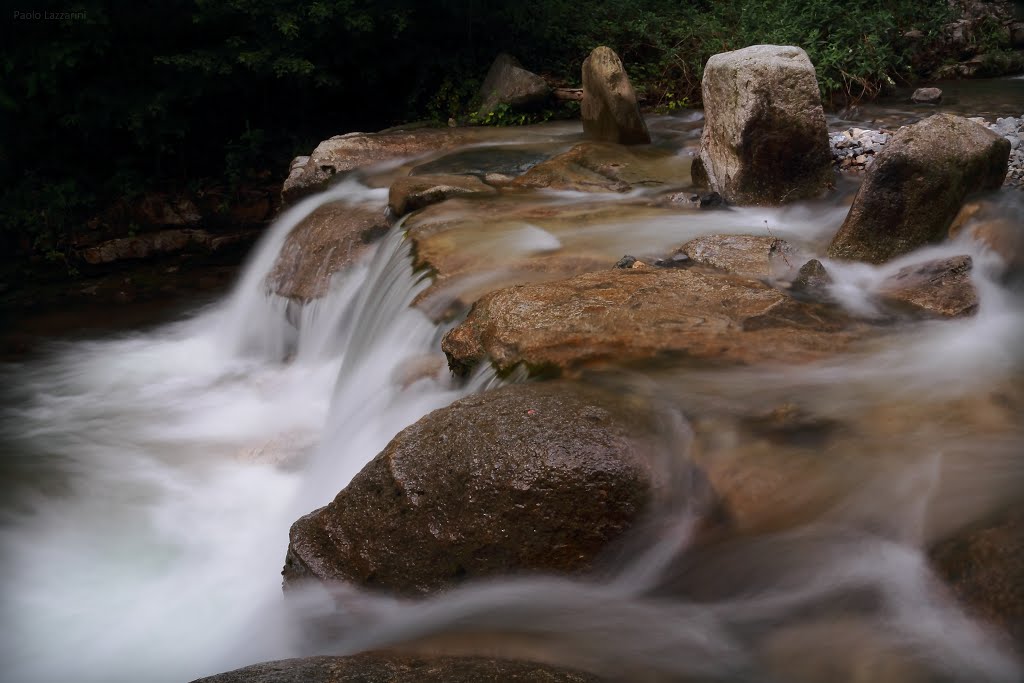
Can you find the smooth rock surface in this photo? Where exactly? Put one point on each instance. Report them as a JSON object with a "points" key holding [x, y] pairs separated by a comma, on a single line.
{"points": [[528, 477], [609, 109], [507, 82], [940, 288], [415, 192], [751, 256], [998, 226], [330, 238], [765, 140], [386, 667], [623, 316], [603, 167]]}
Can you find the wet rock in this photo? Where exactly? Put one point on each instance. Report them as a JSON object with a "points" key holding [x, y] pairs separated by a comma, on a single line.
{"points": [[812, 280], [744, 255], [529, 477], [765, 139], [995, 226], [985, 567], [916, 186], [344, 153], [690, 200], [146, 245], [603, 167], [483, 161], [414, 192], [508, 83], [386, 667], [329, 239], [626, 261], [624, 316], [609, 109], [940, 288], [927, 96]]}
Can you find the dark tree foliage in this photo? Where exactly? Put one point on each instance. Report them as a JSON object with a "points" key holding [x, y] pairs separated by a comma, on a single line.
{"points": [[125, 96]]}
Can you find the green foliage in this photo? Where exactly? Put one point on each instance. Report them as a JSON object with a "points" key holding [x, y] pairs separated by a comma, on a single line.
{"points": [[133, 97]]}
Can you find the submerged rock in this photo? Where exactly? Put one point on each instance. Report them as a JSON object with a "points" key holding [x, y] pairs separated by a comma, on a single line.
{"points": [[622, 316], [603, 167], [609, 109], [765, 140], [916, 186], [985, 567], [528, 477], [941, 288], [414, 192], [329, 239], [387, 667], [996, 226], [508, 83]]}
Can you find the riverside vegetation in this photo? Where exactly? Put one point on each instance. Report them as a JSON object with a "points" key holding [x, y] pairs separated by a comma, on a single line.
{"points": [[205, 101]]}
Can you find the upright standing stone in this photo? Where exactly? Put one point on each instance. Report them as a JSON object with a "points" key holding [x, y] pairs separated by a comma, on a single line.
{"points": [[609, 109], [765, 140], [916, 186]]}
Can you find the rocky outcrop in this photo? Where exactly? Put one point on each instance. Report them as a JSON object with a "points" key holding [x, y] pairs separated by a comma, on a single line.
{"points": [[343, 153], [940, 288], [528, 477], [415, 192], [508, 83], [916, 186], [751, 256], [623, 316], [765, 139], [159, 243], [609, 109], [386, 667], [330, 238], [985, 567]]}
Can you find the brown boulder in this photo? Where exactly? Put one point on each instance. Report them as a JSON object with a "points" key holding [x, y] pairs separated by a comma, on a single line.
{"points": [[985, 567], [765, 140], [609, 109], [623, 316], [940, 288], [916, 186], [528, 477], [146, 245], [998, 227], [927, 96], [344, 153], [414, 192], [386, 667], [508, 83], [752, 256], [330, 238]]}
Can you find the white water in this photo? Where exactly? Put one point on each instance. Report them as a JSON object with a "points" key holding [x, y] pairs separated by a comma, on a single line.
{"points": [[162, 471], [170, 465]]}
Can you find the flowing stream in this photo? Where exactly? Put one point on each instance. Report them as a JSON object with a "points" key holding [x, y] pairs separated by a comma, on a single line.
{"points": [[150, 479]]}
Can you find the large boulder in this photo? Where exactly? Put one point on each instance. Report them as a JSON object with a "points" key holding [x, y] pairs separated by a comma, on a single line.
{"points": [[330, 238], [414, 192], [528, 477], [624, 316], [508, 83], [386, 667], [609, 109], [916, 186], [765, 140]]}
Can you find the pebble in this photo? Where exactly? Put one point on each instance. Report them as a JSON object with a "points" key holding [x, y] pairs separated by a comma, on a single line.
{"points": [[855, 148]]}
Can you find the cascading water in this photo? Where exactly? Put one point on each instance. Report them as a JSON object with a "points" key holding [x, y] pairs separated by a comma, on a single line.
{"points": [[153, 478], [162, 470]]}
